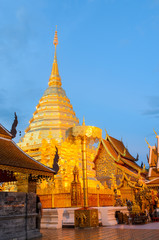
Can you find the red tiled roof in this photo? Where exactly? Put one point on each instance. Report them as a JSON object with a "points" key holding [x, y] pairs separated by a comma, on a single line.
{"points": [[120, 148], [14, 159], [110, 149]]}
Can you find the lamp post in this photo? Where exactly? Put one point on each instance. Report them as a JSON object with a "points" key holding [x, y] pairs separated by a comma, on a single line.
{"points": [[87, 135]]}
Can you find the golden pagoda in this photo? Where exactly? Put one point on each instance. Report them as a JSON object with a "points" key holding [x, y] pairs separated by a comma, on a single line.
{"points": [[47, 132], [54, 113]]}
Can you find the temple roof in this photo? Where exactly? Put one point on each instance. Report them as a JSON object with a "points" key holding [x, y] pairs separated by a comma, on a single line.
{"points": [[120, 148], [118, 152], [153, 182], [12, 158], [127, 170], [4, 132], [110, 148]]}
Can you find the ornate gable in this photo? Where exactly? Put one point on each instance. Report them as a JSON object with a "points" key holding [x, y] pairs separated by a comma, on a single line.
{"points": [[104, 165]]}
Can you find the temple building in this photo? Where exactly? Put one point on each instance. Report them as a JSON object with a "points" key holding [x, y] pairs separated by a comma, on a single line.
{"points": [[114, 159], [153, 161], [109, 167]]}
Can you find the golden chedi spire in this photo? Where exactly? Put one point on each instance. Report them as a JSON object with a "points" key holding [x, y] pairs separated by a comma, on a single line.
{"points": [[55, 79], [54, 113], [83, 124]]}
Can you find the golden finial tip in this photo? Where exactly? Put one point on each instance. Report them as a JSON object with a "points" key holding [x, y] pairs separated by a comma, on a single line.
{"points": [[147, 142], [106, 134], [83, 121], [55, 42]]}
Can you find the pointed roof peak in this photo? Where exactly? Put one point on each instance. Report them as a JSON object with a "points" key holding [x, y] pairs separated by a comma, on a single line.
{"points": [[83, 124], [55, 79]]}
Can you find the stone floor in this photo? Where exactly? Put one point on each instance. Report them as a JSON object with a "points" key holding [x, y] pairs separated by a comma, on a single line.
{"points": [[119, 232]]}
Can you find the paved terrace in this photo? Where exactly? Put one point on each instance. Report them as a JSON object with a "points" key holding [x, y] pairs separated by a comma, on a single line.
{"points": [[148, 231]]}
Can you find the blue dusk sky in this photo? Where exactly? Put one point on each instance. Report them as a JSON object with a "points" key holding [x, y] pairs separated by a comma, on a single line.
{"points": [[108, 57]]}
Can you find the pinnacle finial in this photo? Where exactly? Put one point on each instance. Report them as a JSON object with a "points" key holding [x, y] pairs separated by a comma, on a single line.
{"points": [[83, 124], [147, 142], [106, 134], [155, 132], [55, 77], [55, 42]]}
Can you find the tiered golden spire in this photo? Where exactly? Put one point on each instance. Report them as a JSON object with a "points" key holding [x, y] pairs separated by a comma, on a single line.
{"points": [[55, 79]]}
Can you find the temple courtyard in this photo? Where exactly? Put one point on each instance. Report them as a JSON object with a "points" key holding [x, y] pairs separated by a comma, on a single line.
{"points": [[117, 232]]}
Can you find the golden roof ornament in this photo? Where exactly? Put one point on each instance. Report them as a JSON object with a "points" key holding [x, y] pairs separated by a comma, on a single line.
{"points": [[106, 134], [119, 157], [147, 142], [124, 151], [139, 173], [155, 132]]}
